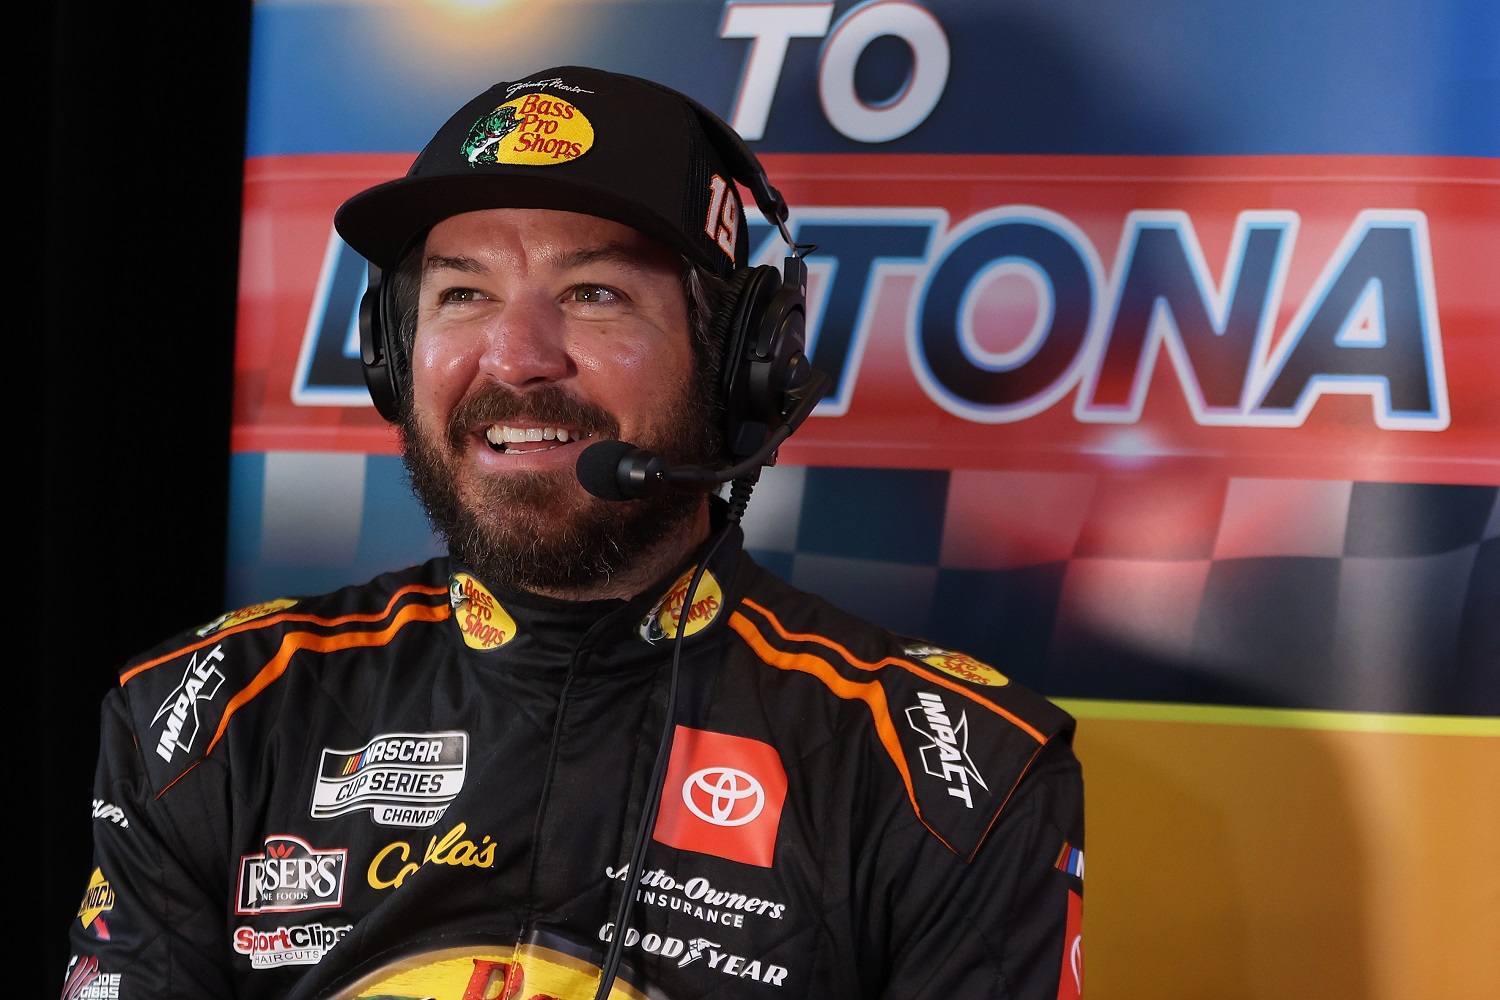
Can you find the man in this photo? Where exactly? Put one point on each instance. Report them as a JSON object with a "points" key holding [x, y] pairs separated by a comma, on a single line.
{"points": [[596, 750]]}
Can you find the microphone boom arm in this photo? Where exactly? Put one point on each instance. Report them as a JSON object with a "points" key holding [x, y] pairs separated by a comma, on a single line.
{"points": [[615, 470]]}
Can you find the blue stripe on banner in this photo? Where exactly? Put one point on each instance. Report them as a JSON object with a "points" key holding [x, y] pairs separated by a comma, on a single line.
{"points": [[1150, 77]]}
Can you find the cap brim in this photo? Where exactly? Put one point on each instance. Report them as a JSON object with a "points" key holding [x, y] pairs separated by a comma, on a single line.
{"points": [[383, 221]]}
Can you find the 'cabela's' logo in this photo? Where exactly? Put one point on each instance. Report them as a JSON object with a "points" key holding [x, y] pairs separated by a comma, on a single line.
{"points": [[483, 623], [393, 862], [668, 614], [533, 130], [960, 665]]}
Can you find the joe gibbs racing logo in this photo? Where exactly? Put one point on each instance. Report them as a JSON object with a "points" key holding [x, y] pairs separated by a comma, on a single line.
{"points": [[674, 610], [533, 130], [481, 620], [960, 665]]}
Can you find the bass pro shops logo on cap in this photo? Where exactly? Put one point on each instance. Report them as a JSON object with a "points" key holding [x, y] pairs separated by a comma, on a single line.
{"points": [[531, 130]]}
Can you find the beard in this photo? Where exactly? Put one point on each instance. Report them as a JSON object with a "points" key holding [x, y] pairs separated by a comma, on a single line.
{"points": [[540, 531]]}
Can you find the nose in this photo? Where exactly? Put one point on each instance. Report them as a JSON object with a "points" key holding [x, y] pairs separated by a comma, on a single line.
{"points": [[526, 345]]}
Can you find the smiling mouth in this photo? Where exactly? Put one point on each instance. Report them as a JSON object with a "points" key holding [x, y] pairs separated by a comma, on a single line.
{"points": [[524, 440]]}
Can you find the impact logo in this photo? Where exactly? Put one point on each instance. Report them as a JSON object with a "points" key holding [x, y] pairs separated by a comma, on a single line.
{"points": [[85, 982], [531, 130], [232, 618], [290, 875], [98, 898], [200, 682], [960, 665], [674, 611], [403, 779], [482, 622], [946, 754]]}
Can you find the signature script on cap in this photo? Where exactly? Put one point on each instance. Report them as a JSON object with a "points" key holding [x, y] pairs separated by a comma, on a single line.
{"points": [[554, 83]]}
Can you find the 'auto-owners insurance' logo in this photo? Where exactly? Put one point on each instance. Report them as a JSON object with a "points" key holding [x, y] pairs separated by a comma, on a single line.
{"points": [[201, 680], [723, 796]]}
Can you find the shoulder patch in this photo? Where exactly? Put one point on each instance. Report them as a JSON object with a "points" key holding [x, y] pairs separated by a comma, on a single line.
{"points": [[182, 695], [232, 618], [966, 744], [960, 665], [174, 721], [959, 732]]}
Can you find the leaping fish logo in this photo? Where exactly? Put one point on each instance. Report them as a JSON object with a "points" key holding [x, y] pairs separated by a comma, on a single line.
{"points": [[487, 132]]}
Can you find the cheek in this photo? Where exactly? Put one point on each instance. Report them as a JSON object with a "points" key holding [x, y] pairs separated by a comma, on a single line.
{"points": [[634, 382], [440, 372]]}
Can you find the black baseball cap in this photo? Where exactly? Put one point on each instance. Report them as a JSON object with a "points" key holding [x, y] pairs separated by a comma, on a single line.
{"points": [[579, 140]]}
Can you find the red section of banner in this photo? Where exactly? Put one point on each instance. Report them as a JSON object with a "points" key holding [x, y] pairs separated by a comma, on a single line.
{"points": [[893, 416]]}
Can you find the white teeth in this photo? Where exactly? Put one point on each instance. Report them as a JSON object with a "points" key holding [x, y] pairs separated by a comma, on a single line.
{"points": [[501, 434]]}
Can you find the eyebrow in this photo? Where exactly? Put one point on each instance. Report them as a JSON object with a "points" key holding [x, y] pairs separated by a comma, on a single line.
{"points": [[613, 252], [442, 262]]}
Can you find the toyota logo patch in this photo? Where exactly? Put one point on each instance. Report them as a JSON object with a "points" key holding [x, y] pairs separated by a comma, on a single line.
{"points": [[722, 796], [732, 797]]}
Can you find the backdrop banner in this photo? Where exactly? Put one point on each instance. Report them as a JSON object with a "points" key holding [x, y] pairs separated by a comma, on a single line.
{"points": [[1165, 344]]}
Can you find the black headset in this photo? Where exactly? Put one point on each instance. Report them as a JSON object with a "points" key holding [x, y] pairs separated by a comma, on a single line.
{"points": [[759, 325]]}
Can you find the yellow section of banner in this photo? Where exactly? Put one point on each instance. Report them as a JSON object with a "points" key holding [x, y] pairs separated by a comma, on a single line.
{"points": [[1284, 718], [1237, 854]]}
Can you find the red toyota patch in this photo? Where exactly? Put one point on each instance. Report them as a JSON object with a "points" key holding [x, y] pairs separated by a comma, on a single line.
{"points": [[1070, 986], [723, 796]]}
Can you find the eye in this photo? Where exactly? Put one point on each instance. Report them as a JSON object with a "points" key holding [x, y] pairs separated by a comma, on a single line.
{"points": [[595, 294], [458, 295]]}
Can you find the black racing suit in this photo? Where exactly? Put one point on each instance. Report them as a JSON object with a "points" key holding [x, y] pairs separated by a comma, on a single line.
{"points": [[421, 787]]}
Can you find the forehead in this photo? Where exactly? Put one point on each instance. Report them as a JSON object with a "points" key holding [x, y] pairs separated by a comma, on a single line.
{"points": [[541, 234]]}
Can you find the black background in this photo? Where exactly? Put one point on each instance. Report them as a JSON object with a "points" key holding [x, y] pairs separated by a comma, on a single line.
{"points": [[126, 175]]}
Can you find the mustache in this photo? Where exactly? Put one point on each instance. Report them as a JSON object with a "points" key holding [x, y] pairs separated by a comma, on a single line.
{"points": [[492, 403]]}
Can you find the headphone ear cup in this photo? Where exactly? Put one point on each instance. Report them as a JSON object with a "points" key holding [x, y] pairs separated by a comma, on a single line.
{"points": [[379, 350], [761, 329]]}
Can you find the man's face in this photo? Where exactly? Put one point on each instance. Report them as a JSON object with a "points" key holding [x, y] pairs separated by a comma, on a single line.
{"points": [[539, 333]]}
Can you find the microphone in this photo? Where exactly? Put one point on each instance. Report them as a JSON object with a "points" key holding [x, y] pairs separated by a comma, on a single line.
{"points": [[618, 470]]}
